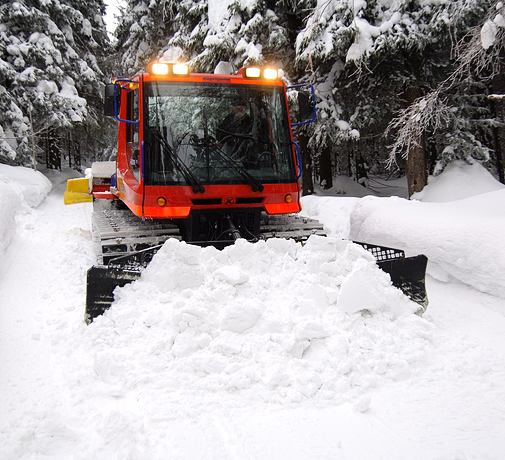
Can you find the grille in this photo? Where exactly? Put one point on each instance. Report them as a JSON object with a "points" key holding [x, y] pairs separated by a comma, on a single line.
{"points": [[252, 200], [206, 201], [382, 253]]}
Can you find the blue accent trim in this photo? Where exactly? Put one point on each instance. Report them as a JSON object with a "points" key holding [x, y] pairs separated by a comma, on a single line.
{"points": [[142, 159], [128, 122], [312, 90], [113, 180], [116, 108], [298, 151]]}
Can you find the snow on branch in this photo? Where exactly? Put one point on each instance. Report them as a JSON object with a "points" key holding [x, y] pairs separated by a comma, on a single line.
{"points": [[429, 111], [496, 97]]}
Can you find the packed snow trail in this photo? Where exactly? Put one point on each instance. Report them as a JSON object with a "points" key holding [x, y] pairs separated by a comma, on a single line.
{"points": [[113, 390], [38, 272]]}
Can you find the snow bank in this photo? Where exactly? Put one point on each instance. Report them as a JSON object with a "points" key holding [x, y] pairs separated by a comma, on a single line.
{"points": [[459, 180], [273, 321], [463, 239], [334, 213], [458, 221], [18, 186], [32, 186], [9, 203]]}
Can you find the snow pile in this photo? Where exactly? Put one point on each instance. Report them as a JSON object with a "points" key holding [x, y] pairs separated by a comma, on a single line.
{"points": [[463, 239], [459, 180], [272, 321], [32, 186], [18, 186]]}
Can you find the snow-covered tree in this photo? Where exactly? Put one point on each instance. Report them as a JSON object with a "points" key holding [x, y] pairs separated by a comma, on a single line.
{"points": [[244, 33], [458, 112], [50, 54], [191, 26], [371, 57], [143, 30]]}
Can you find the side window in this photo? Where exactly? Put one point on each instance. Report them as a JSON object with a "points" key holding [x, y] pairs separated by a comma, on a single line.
{"points": [[132, 132]]}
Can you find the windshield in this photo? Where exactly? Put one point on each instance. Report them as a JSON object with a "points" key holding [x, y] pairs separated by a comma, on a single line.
{"points": [[219, 133]]}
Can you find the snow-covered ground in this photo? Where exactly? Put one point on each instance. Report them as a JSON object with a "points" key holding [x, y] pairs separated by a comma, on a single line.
{"points": [[258, 351], [376, 186]]}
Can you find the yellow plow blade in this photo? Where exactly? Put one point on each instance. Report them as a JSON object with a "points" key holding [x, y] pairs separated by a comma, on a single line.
{"points": [[77, 191]]}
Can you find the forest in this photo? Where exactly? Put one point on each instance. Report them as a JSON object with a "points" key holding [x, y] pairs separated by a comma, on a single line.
{"points": [[403, 86]]}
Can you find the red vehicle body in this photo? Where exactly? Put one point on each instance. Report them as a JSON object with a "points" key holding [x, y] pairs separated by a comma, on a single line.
{"points": [[179, 201]]}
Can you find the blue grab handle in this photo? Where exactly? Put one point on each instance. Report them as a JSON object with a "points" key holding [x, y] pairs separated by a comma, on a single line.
{"points": [[116, 108], [298, 151]]}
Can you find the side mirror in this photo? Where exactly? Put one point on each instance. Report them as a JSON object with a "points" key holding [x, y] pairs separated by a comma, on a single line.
{"points": [[304, 104], [111, 100], [305, 107]]}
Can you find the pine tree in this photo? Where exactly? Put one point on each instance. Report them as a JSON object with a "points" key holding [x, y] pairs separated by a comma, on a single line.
{"points": [[369, 58], [458, 112], [49, 62], [191, 26], [238, 32], [252, 33], [143, 30]]}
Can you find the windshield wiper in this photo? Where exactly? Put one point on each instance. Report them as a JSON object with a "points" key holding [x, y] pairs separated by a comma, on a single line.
{"points": [[255, 184], [179, 164], [232, 134]]}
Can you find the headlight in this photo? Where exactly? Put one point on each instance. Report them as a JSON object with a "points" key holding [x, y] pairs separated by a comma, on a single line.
{"points": [[253, 72], [160, 68], [180, 69], [270, 74]]}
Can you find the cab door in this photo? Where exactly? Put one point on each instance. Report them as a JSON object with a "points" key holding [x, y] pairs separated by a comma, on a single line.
{"points": [[129, 166], [132, 135]]}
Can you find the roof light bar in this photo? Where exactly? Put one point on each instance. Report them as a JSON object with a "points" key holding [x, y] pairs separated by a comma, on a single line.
{"points": [[169, 68], [252, 72], [267, 73]]}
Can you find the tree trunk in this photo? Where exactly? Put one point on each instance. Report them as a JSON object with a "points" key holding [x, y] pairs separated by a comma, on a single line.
{"points": [[431, 154], [307, 182], [417, 171], [350, 153], [325, 172], [417, 164], [498, 86]]}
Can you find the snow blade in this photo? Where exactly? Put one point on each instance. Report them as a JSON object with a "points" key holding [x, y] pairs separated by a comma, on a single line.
{"points": [[408, 274], [101, 282]]}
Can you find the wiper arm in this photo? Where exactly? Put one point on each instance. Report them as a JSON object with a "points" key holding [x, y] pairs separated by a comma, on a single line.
{"points": [[232, 134], [179, 164], [255, 184]]}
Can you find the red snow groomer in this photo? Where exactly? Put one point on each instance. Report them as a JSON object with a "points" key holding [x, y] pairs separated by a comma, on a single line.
{"points": [[208, 159]]}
